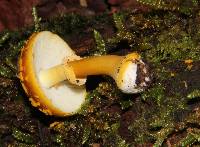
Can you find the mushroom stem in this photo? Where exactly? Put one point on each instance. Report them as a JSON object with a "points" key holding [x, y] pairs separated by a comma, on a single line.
{"points": [[129, 72], [72, 70], [96, 65]]}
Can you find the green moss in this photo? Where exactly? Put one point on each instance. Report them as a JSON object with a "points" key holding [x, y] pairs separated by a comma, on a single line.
{"points": [[140, 128], [117, 140], [59, 140], [191, 137], [86, 134], [109, 89], [126, 103], [36, 20], [160, 4], [11, 64], [5, 71], [22, 145], [173, 44], [193, 118], [66, 25], [162, 135], [90, 95], [22, 137], [189, 140], [100, 44], [184, 6], [122, 33], [4, 38], [157, 93], [119, 21], [194, 94]]}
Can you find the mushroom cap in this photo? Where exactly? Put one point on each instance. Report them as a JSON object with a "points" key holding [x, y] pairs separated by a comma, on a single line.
{"points": [[44, 50], [132, 75]]}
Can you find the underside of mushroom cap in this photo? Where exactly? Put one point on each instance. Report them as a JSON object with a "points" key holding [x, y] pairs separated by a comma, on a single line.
{"points": [[42, 51]]}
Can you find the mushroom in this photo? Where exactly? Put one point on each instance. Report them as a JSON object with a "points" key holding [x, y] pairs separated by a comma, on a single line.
{"points": [[54, 77]]}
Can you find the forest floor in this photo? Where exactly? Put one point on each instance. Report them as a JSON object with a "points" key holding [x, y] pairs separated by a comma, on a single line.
{"points": [[167, 113]]}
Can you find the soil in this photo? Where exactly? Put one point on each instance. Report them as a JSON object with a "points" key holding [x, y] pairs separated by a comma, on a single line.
{"points": [[16, 14]]}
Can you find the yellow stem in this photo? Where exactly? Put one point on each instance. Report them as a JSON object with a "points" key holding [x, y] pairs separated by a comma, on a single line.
{"points": [[96, 65], [106, 65]]}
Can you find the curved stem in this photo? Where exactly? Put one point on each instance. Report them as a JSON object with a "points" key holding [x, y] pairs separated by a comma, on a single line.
{"points": [[99, 65], [96, 65]]}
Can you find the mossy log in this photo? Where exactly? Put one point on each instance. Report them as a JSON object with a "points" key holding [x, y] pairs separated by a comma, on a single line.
{"points": [[166, 113]]}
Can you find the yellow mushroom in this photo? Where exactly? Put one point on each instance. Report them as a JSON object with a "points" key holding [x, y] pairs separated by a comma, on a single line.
{"points": [[54, 77]]}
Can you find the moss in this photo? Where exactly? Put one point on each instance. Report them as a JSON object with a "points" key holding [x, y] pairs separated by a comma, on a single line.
{"points": [[140, 128], [159, 4], [157, 93], [194, 94], [23, 145], [193, 118], [59, 140], [66, 25], [108, 89], [183, 6], [191, 137], [125, 104], [11, 64], [86, 134], [116, 139], [22, 137], [100, 44], [122, 33], [5, 71], [4, 38], [91, 95], [36, 20], [70, 130], [173, 44], [162, 135]]}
